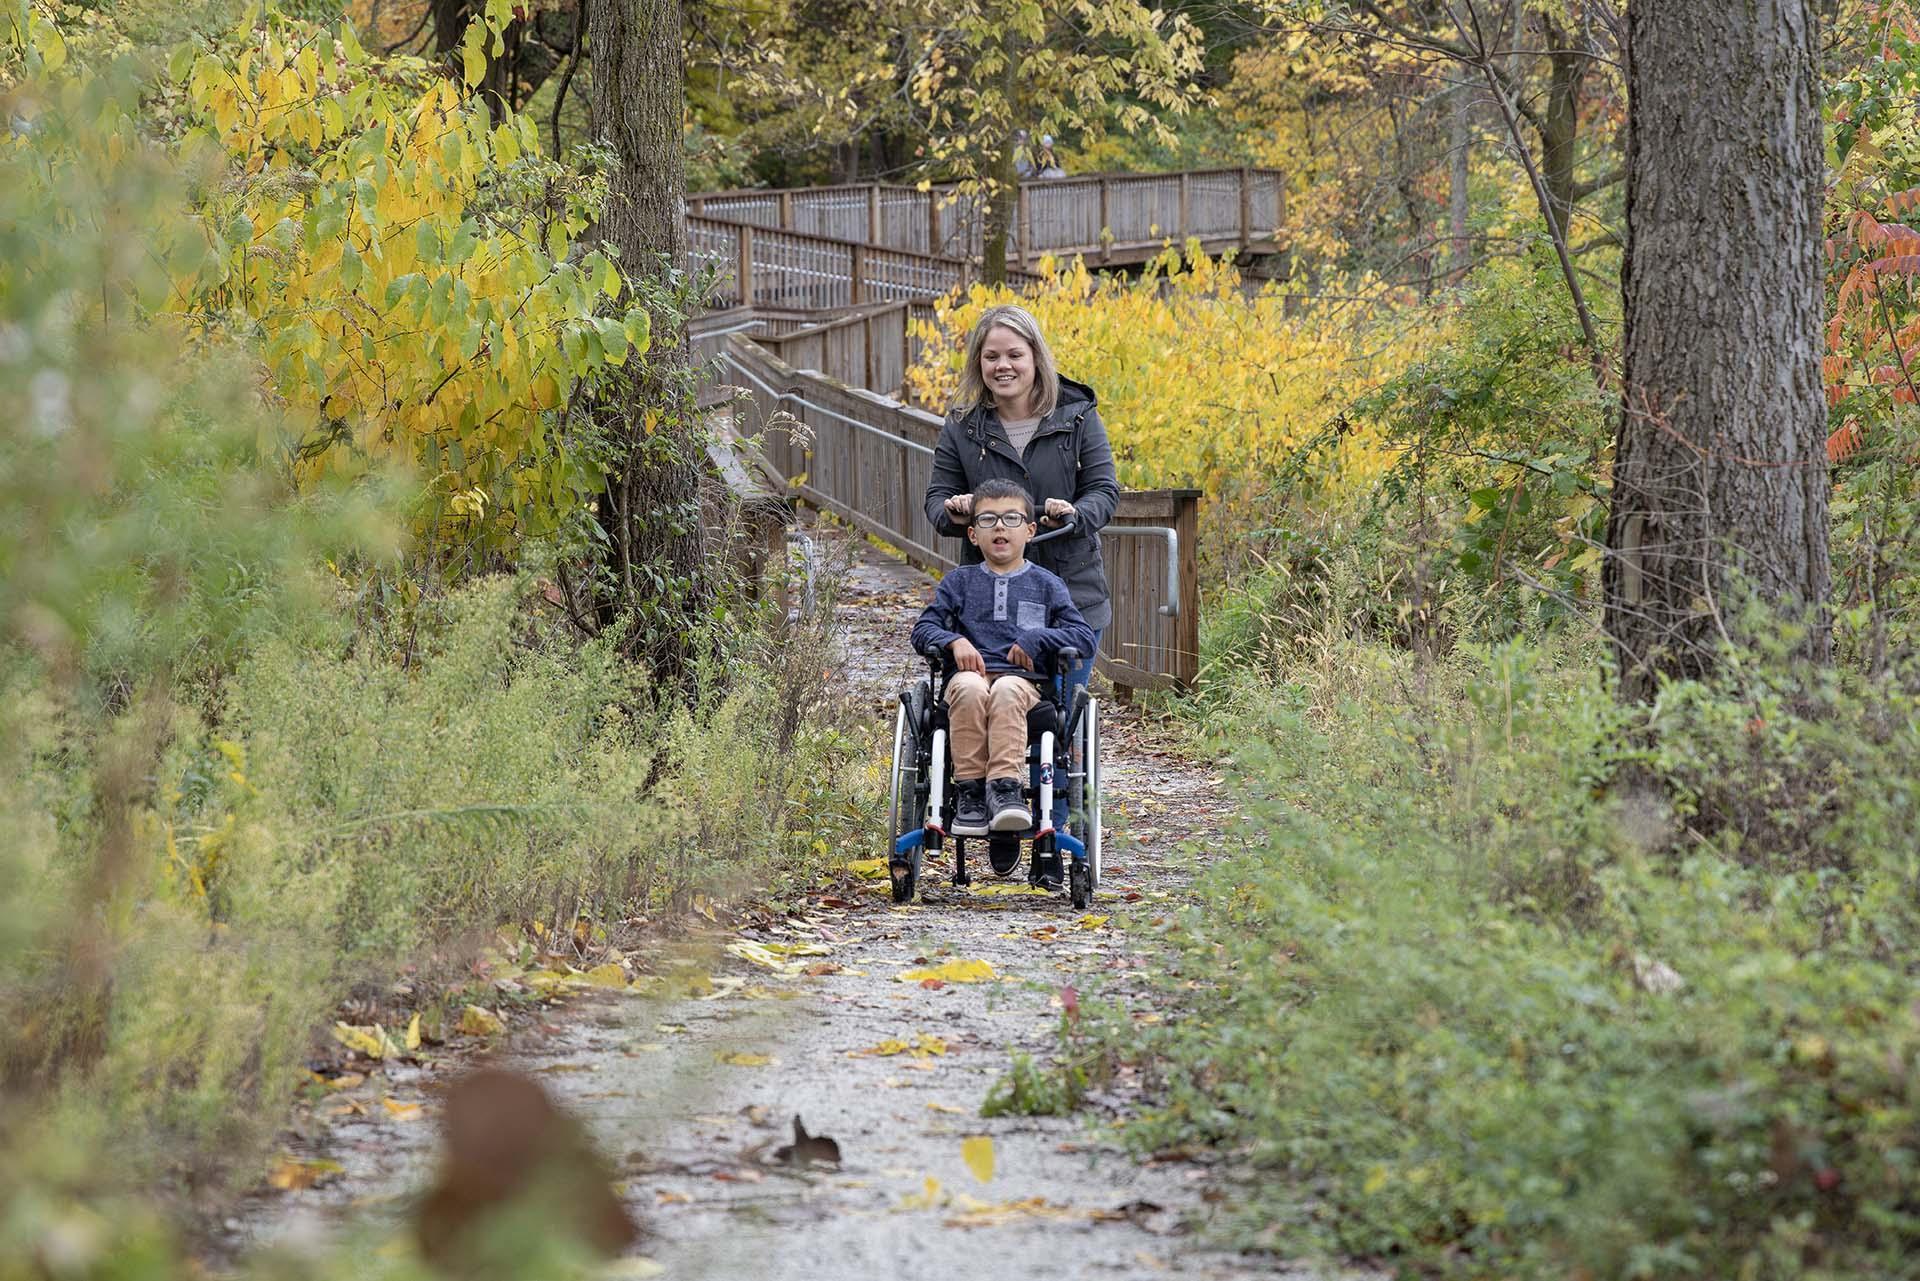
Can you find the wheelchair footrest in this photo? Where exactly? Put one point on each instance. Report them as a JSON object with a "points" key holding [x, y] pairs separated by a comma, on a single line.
{"points": [[907, 842]]}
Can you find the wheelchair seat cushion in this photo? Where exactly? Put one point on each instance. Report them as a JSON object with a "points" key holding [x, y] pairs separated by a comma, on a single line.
{"points": [[1042, 719]]}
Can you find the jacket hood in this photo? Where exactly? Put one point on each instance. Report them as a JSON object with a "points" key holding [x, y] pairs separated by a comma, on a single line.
{"points": [[1075, 394]]}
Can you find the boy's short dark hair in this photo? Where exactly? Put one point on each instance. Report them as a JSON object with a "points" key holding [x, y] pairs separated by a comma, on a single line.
{"points": [[999, 487]]}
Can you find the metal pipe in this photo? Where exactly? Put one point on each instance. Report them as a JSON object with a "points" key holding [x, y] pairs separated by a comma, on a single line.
{"points": [[1172, 608], [798, 399]]}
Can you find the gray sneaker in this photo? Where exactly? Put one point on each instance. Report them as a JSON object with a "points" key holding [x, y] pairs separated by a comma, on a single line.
{"points": [[1010, 812], [970, 807]]}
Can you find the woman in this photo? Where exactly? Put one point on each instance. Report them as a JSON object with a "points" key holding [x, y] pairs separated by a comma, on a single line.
{"points": [[1018, 419]]}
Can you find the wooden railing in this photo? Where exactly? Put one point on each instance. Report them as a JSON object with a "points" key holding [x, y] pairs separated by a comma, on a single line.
{"points": [[865, 458], [1111, 218], [760, 267]]}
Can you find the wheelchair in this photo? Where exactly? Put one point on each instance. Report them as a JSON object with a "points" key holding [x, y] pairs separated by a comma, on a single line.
{"points": [[1063, 751]]}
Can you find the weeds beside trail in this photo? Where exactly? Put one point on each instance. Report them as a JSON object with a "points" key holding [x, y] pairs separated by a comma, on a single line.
{"points": [[1480, 1007]]}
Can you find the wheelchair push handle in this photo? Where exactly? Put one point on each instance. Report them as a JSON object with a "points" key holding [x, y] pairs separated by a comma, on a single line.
{"points": [[1061, 530]]}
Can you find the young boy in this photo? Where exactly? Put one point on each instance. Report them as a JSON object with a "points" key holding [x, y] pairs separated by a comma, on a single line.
{"points": [[1003, 620]]}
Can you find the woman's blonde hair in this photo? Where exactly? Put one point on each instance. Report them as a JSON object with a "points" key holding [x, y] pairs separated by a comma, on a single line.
{"points": [[1046, 379]]}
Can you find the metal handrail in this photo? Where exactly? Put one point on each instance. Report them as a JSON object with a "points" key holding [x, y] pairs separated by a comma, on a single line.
{"points": [[1172, 608], [798, 399]]}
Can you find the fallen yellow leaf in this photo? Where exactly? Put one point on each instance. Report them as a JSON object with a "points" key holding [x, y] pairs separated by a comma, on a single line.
{"points": [[977, 1151], [401, 1111], [680, 984], [948, 1108], [413, 1031], [956, 971], [923, 1045], [477, 1020], [744, 1058], [292, 1174], [1092, 922], [371, 1041], [608, 975], [869, 869], [930, 1198], [981, 1215]]}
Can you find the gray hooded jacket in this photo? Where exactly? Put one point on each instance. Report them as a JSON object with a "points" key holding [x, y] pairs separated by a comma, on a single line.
{"points": [[1068, 458]]}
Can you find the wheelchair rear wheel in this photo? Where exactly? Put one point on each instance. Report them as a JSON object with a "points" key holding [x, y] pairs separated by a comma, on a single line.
{"points": [[906, 805], [1089, 753]]}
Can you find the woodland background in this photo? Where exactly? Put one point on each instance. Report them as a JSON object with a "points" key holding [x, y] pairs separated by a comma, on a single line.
{"points": [[344, 622]]}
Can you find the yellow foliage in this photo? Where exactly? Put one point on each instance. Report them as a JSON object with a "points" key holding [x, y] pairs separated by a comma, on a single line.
{"points": [[410, 266], [1200, 382]]}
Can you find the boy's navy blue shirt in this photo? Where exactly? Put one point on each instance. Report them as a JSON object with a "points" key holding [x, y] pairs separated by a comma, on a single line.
{"points": [[1029, 607]]}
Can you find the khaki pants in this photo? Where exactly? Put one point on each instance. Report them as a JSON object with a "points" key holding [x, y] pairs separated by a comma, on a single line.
{"points": [[988, 724]]}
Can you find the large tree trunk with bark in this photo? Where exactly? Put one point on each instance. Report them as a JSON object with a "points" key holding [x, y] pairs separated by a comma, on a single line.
{"points": [[1720, 474], [650, 508]]}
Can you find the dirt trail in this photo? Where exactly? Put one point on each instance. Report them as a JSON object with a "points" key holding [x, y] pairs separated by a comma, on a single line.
{"points": [[690, 1096]]}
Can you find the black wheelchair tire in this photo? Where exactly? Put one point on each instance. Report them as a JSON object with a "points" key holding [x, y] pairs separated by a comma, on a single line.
{"points": [[1080, 884]]}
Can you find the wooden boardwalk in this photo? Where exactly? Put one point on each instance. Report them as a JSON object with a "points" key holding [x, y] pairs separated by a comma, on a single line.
{"points": [[828, 247]]}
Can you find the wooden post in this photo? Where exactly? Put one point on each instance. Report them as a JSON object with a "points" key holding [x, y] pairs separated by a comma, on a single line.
{"points": [[1186, 210], [867, 382], [1025, 223], [786, 211], [697, 206], [743, 264], [856, 291], [1106, 222], [1246, 205], [873, 214], [933, 221]]}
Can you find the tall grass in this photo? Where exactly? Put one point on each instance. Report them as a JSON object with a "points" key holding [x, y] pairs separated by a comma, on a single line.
{"points": [[1514, 982]]}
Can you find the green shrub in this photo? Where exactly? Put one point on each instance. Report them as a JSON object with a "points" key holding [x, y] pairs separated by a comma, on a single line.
{"points": [[1516, 983]]}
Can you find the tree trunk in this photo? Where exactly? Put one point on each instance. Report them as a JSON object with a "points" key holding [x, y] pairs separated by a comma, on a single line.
{"points": [[997, 220], [650, 507], [1560, 121], [1720, 473], [1458, 210]]}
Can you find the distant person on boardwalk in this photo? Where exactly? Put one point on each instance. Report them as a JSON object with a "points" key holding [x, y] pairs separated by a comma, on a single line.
{"points": [[1017, 419], [1046, 166], [1022, 154]]}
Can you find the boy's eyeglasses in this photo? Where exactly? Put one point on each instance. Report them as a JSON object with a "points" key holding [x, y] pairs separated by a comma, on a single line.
{"points": [[997, 520]]}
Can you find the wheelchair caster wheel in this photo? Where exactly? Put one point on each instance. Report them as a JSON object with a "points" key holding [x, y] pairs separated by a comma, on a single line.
{"points": [[904, 873], [1080, 884], [1003, 854]]}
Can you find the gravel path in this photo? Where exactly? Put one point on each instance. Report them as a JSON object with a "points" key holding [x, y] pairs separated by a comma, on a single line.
{"points": [[689, 1097]]}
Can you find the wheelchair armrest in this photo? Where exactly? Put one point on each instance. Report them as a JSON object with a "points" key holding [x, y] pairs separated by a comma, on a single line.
{"points": [[1067, 654]]}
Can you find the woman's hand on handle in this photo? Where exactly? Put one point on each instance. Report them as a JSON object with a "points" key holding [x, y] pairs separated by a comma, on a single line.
{"points": [[1057, 511], [960, 509]]}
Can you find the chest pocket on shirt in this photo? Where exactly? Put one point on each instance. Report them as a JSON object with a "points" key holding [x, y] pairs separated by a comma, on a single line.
{"points": [[1032, 614]]}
